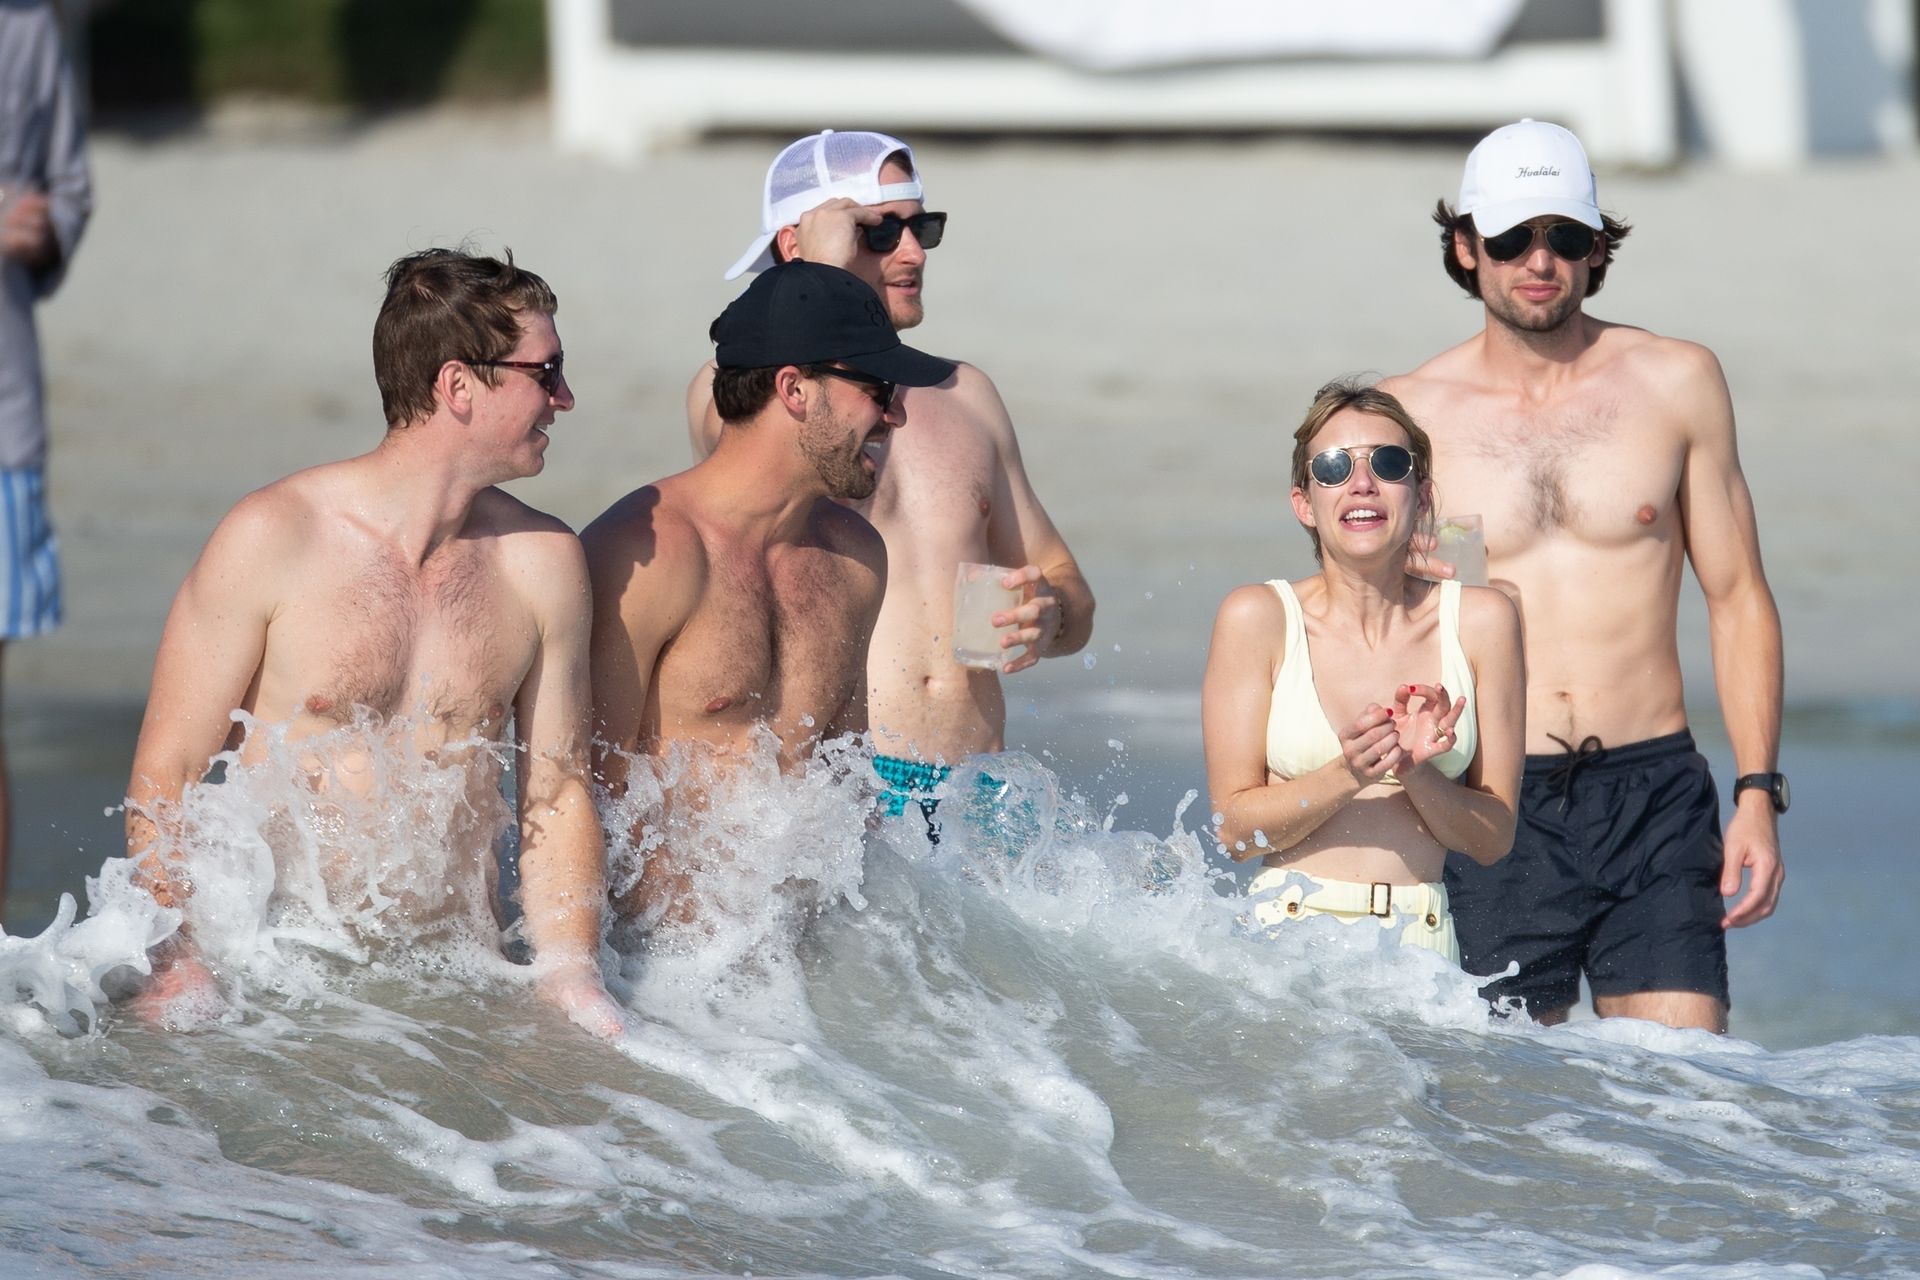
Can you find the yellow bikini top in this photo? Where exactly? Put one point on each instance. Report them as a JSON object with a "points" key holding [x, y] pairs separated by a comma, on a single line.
{"points": [[1299, 737]]}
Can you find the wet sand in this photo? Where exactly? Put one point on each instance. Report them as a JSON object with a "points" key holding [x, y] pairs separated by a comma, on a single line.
{"points": [[1155, 313]]}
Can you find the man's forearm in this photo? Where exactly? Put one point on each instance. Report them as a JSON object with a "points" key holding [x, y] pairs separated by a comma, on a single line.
{"points": [[563, 888], [153, 842], [1074, 598], [1748, 673]]}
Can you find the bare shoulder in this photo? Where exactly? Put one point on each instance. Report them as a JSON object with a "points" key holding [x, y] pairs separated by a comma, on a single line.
{"points": [[638, 520], [1251, 610], [970, 395], [1438, 380], [1249, 635], [1665, 365], [1490, 634], [539, 549], [1448, 366], [1668, 379], [497, 512], [969, 383], [1488, 612], [651, 532], [851, 534], [276, 523]]}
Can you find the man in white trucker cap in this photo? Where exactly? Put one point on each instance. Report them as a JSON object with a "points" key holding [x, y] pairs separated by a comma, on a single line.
{"points": [[954, 489], [1601, 456]]}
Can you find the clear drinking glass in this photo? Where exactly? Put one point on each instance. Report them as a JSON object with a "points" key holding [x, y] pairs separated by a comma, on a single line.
{"points": [[1461, 542], [977, 596]]}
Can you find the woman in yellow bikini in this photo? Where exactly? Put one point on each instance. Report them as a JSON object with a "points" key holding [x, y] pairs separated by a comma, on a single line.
{"points": [[1362, 722]]}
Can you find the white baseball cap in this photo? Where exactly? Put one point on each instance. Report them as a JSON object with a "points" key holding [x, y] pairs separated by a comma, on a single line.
{"points": [[1525, 170], [818, 168]]}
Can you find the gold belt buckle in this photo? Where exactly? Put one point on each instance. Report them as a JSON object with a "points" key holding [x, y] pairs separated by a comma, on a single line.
{"points": [[1380, 892]]}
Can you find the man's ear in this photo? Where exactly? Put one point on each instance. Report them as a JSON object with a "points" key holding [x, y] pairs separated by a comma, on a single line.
{"points": [[791, 387], [785, 241], [454, 385], [1463, 250]]}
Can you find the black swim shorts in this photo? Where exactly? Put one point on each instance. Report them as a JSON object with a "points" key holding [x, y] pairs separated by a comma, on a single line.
{"points": [[1615, 872]]}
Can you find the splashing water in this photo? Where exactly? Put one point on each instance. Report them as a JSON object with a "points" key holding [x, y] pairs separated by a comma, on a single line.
{"points": [[1042, 1047]]}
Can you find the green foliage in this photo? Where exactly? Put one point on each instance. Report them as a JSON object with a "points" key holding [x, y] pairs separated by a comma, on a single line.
{"points": [[365, 53]]}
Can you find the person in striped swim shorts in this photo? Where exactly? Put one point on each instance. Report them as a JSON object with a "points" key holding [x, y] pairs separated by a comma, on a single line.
{"points": [[45, 197]]}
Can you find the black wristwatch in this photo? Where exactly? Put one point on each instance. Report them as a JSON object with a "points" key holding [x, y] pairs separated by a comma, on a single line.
{"points": [[1774, 784]]}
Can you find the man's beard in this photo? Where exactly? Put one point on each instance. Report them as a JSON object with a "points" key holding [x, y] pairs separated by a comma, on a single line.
{"points": [[1533, 319], [825, 442]]}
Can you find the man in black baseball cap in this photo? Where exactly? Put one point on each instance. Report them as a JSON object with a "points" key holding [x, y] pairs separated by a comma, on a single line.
{"points": [[806, 313], [955, 489], [736, 596]]}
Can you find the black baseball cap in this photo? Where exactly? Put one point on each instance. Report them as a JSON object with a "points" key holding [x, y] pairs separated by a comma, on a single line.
{"points": [[803, 312]]}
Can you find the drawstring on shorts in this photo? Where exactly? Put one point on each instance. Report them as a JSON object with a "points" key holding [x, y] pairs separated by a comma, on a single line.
{"points": [[1560, 777]]}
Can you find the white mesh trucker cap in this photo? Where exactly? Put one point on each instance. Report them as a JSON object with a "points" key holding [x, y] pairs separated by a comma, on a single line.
{"points": [[814, 170], [1526, 170]]}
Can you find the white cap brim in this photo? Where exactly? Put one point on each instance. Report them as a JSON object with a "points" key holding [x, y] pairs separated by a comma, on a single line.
{"points": [[758, 257], [1495, 218]]}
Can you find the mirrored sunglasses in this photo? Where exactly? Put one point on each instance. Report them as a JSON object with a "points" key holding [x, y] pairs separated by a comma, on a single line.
{"points": [[1389, 463]]}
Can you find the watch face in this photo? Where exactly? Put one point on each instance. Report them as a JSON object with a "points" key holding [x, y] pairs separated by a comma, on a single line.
{"points": [[1782, 795]]}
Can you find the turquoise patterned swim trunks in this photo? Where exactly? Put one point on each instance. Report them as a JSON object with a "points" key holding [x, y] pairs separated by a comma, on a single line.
{"points": [[909, 780], [915, 781]]}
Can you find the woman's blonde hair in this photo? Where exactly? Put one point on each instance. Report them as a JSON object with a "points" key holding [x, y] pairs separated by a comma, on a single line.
{"points": [[1351, 393]]}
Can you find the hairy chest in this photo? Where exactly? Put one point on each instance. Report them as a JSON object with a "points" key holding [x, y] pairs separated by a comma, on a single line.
{"points": [[1595, 473], [780, 637], [447, 641]]}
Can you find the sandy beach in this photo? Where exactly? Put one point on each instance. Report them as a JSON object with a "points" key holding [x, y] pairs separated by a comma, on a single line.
{"points": [[1156, 313]]}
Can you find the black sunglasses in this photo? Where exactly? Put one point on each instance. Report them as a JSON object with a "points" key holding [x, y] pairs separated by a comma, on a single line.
{"points": [[1570, 240], [545, 372], [884, 235], [881, 391], [1334, 467]]}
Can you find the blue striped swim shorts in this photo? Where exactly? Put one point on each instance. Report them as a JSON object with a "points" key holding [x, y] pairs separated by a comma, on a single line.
{"points": [[30, 588]]}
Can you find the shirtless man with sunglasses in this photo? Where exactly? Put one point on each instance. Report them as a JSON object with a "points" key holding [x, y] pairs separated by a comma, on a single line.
{"points": [[953, 490], [1602, 459], [397, 612], [735, 599]]}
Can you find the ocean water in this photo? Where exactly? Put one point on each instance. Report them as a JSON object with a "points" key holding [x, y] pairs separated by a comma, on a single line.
{"points": [[1050, 1046]]}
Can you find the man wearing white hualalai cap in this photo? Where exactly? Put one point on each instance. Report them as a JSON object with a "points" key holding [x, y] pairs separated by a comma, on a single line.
{"points": [[954, 489], [1602, 459]]}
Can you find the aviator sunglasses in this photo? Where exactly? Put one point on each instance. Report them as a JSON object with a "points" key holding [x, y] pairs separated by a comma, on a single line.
{"points": [[1334, 467], [884, 235], [545, 372], [1570, 240], [879, 389]]}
